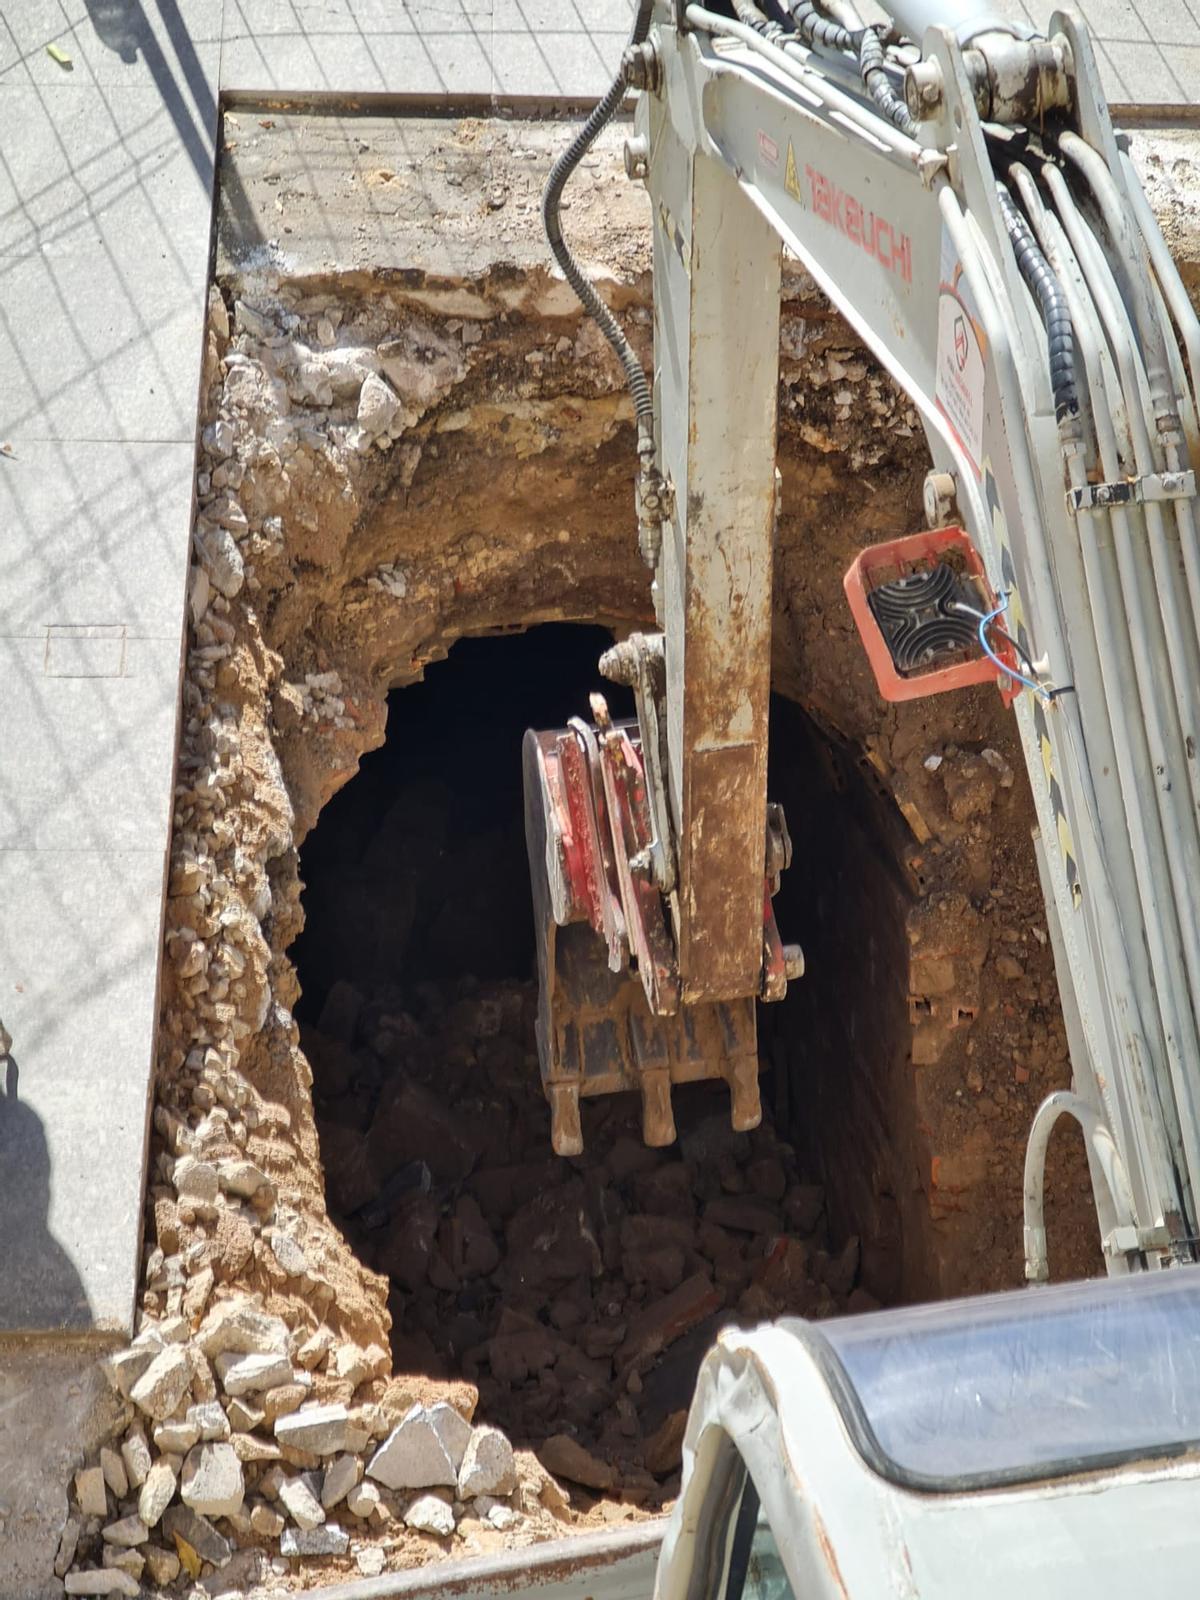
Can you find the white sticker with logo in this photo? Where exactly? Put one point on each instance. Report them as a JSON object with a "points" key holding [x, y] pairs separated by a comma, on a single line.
{"points": [[961, 356]]}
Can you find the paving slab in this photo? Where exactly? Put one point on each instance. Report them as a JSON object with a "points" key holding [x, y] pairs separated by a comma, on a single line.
{"points": [[92, 712], [104, 225], [412, 47], [79, 945], [91, 534]]}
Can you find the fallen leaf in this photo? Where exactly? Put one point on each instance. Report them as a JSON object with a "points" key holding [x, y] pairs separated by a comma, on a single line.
{"points": [[57, 53], [7, 450]]}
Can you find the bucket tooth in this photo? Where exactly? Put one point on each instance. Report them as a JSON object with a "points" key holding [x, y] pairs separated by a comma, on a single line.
{"points": [[566, 1127], [658, 1115]]}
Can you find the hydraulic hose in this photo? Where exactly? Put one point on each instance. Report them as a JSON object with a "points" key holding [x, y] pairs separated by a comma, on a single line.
{"points": [[1052, 303], [816, 29], [870, 66], [603, 113]]}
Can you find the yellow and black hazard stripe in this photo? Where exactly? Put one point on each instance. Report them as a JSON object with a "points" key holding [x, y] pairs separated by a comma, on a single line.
{"points": [[1014, 623]]}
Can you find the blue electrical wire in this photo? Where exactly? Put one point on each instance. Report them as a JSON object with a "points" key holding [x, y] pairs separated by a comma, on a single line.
{"points": [[985, 623]]}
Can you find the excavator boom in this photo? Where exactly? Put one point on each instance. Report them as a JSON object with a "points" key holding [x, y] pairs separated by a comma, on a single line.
{"points": [[963, 200]]}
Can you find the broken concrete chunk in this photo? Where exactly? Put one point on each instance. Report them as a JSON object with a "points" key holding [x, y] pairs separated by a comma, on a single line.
{"points": [[266, 1521], [351, 1363], [362, 1501], [424, 1451], [212, 1483], [314, 1349], [280, 1402], [90, 1493], [176, 1436], [288, 1254], [242, 1576], [250, 1447], [195, 1180], [240, 1177], [251, 1374], [327, 1541], [243, 1417], [184, 1523], [127, 1366], [218, 553], [101, 1580], [124, 1560], [487, 1466], [321, 1429], [378, 404], [340, 1477], [164, 1383], [566, 1458], [239, 1327], [157, 1492], [161, 1565], [135, 1453], [210, 1419], [67, 1545], [428, 1514], [494, 1512], [370, 1560], [302, 1504], [129, 1531]]}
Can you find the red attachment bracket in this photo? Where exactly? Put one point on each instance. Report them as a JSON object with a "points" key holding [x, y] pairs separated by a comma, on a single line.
{"points": [[898, 558]]}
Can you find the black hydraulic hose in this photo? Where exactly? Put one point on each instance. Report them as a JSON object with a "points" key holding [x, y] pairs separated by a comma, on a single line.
{"points": [[870, 66], [1052, 303], [603, 113], [815, 28]]}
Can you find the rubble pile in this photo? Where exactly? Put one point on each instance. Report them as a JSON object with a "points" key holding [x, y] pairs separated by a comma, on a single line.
{"points": [[247, 1444], [578, 1295]]}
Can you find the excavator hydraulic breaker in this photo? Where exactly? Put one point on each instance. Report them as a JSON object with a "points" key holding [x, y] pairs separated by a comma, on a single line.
{"points": [[610, 1016], [922, 606]]}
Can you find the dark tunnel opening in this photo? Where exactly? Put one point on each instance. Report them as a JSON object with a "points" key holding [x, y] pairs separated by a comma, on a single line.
{"points": [[579, 1294]]}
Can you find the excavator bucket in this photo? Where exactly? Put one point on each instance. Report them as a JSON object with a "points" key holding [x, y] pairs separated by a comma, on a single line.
{"points": [[604, 951]]}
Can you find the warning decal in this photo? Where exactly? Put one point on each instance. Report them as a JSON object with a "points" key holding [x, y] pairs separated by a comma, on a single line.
{"points": [[961, 368], [791, 180]]}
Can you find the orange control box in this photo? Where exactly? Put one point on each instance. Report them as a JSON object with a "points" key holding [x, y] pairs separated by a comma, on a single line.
{"points": [[918, 564]]}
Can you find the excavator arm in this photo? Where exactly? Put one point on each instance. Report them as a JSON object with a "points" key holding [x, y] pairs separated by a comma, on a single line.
{"points": [[964, 202]]}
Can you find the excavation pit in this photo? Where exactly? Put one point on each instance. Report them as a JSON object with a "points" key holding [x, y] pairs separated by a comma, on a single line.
{"points": [[578, 1294], [416, 455]]}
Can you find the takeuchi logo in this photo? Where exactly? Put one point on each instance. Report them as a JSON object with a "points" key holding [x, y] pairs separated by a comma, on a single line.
{"points": [[865, 228]]}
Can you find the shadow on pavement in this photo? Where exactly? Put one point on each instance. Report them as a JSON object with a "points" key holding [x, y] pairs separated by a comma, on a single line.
{"points": [[40, 1289]]}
